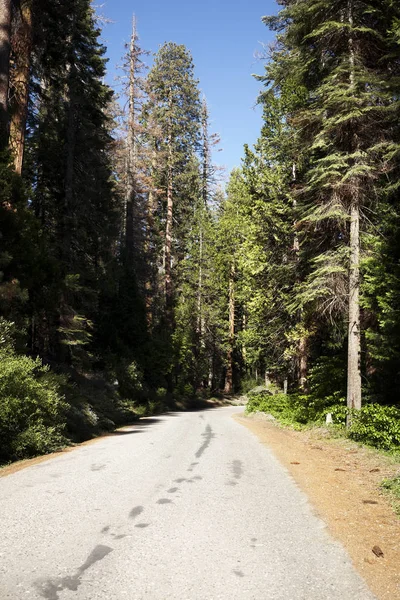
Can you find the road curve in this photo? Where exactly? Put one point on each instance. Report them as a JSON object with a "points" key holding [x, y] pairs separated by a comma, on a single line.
{"points": [[186, 506]]}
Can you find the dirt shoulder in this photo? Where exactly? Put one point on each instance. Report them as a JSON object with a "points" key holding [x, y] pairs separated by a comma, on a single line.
{"points": [[342, 480]]}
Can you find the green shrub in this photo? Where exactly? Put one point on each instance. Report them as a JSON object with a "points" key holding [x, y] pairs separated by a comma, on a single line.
{"points": [[278, 405], [377, 426], [129, 380], [8, 333], [327, 388], [31, 408], [309, 408], [327, 378], [155, 407], [248, 383], [297, 409], [326, 384], [393, 485]]}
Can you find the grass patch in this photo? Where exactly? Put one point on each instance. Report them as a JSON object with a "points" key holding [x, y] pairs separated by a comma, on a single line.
{"points": [[392, 488]]}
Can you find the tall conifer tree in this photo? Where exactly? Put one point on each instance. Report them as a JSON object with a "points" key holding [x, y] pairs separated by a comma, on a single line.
{"points": [[346, 57], [175, 106]]}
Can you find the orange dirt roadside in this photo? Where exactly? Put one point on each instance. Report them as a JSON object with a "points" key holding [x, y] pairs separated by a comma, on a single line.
{"points": [[341, 480]]}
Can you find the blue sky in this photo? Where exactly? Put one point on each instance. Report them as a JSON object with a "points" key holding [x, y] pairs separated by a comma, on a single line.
{"points": [[223, 37]]}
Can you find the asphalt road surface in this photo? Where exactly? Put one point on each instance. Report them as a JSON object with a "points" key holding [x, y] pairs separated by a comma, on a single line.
{"points": [[187, 506]]}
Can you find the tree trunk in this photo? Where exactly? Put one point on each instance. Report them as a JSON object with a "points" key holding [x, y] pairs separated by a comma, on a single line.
{"points": [[302, 356], [206, 152], [228, 388], [169, 229], [5, 47], [68, 215], [149, 284], [244, 347], [131, 148], [267, 380], [199, 320], [211, 375], [22, 48], [70, 172], [203, 207], [354, 342], [303, 363], [168, 247], [149, 245]]}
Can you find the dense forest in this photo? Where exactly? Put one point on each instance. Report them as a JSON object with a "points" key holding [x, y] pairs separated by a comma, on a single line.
{"points": [[131, 280]]}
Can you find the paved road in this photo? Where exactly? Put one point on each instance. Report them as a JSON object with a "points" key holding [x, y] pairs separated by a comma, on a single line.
{"points": [[188, 506]]}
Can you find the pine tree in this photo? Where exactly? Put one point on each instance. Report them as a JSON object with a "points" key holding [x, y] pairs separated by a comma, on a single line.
{"points": [[346, 58], [134, 68], [68, 160], [174, 106]]}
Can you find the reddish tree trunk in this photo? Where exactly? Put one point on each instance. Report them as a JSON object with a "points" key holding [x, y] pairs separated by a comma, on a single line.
{"points": [[5, 47], [22, 48]]}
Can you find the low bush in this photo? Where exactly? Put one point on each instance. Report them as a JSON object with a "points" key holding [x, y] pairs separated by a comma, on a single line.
{"points": [[298, 409], [94, 406], [308, 408], [376, 425], [280, 406], [32, 411], [311, 408], [248, 383]]}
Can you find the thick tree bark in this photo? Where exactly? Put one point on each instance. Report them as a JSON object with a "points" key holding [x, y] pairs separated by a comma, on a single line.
{"points": [[22, 48], [5, 48], [228, 388], [354, 342]]}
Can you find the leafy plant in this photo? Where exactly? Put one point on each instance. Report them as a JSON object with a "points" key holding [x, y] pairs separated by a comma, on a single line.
{"points": [[281, 406], [248, 383], [32, 411], [392, 486], [377, 426]]}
